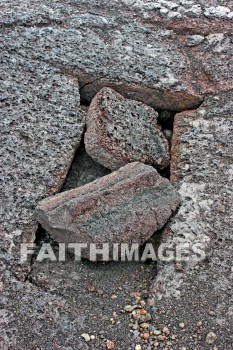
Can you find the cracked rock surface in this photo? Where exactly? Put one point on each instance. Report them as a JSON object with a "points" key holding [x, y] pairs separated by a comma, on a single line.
{"points": [[105, 50], [120, 131], [126, 206], [41, 128], [169, 55]]}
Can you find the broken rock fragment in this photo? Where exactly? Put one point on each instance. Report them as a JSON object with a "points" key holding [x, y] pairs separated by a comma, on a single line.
{"points": [[126, 206], [120, 131]]}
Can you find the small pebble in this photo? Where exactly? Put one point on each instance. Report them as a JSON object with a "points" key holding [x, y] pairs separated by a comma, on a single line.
{"points": [[210, 338], [181, 325], [157, 332], [144, 325], [142, 303], [138, 347], [168, 134], [86, 337], [130, 308], [161, 337], [136, 334], [211, 313], [110, 345], [166, 330], [146, 336], [135, 326]]}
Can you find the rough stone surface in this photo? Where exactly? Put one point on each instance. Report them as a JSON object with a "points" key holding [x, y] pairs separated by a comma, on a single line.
{"points": [[103, 50], [126, 206], [139, 48], [202, 172], [41, 127], [120, 131]]}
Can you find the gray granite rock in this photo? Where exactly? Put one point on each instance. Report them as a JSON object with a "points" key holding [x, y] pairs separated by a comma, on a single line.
{"points": [[120, 131], [126, 206], [41, 128]]}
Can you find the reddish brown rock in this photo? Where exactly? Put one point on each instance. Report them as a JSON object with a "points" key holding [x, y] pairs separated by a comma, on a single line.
{"points": [[127, 206], [120, 131]]}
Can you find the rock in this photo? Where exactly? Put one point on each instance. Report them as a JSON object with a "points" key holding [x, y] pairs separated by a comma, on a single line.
{"points": [[202, 172], [168, 135], [110, 344], [157, 332], [138, 347], [141, 62], [123, 207], [41, 128], [130, 308], [166, 330], [146, 336], [120, 131], [161, 337], [210, 338], [181, 325], [141, 315], [142, 50], [86, 337], [145, 325], [142, 303]]}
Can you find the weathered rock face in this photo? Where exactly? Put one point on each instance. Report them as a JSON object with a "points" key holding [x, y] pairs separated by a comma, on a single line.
{"points": [[143, 63], [120, 131], [165, 54], [125, 206], [202, 172], [41, 128]]}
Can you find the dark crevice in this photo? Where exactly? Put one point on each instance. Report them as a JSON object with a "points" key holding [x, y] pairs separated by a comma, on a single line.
{"points": [[166, 119], [165, 172], [83, 100], [41, 236]]}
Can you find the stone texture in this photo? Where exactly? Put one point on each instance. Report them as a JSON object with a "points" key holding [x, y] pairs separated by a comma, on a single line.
{"points": [[126, 206], [41, 128], [202, 172], [185, 40], [120, 131], [142, 48], [105, 50]]}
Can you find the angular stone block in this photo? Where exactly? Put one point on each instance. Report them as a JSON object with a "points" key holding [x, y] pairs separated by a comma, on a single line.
{"points": [[120, 131], [128, 205]]}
